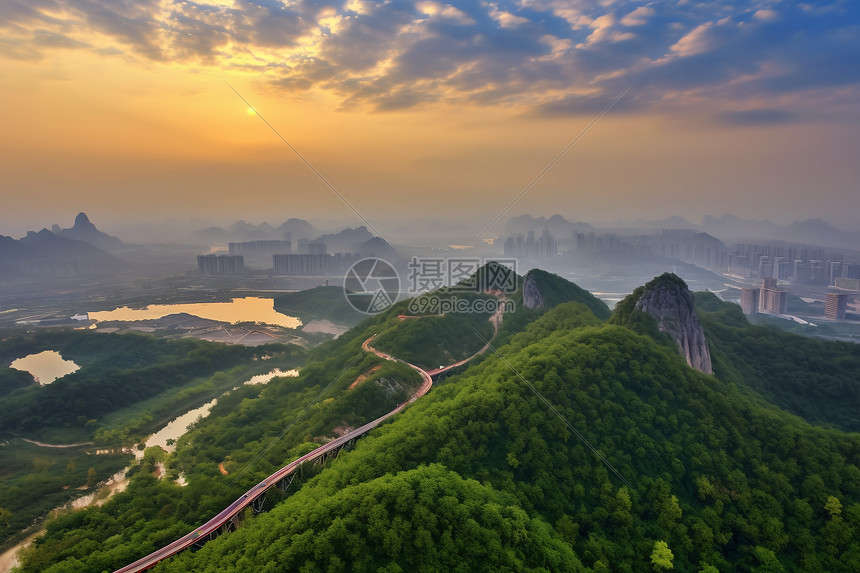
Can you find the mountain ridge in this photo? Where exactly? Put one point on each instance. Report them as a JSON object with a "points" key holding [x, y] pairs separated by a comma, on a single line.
{"points": [[84, 230], [667, 301]]}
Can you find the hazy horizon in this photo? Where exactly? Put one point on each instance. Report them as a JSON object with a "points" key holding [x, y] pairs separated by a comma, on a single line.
{"points": [[454, 230]]}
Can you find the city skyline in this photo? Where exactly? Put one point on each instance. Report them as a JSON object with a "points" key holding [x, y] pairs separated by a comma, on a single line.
{"points": [[427, 109]]}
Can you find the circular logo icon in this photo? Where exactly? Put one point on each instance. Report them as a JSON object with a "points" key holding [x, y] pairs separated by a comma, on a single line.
{"points": [[371, 285]]}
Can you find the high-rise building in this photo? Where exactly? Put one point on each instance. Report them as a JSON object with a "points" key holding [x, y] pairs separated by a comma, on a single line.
{"points": [[772, 298], [543, 247], [835, 305], [309, 247], [765, 267], [220, 264], [802, 270], [302, 264], [749, 300], [847, 284], [317, 248], [835, 271], [817, 273], [259, 253], [207, 264]]}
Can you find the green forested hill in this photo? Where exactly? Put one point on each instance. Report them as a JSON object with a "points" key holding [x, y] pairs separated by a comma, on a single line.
{"points": [[322, 302], [556, 290], [580, 445], [432, 341], [116, 372], [813, 378], [725, 482]]}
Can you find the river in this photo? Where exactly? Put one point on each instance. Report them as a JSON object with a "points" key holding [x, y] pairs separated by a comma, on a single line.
{"points": [[118, 482], [179, 425]]}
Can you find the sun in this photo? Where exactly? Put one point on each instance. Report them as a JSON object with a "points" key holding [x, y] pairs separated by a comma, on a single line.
{"points": [[251, 111]]}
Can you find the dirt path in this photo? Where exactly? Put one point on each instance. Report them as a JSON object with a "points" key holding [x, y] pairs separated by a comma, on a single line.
{"points": [[44, 445], [8, 559]]}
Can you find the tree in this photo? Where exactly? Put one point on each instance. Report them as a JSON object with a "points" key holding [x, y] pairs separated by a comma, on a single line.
{"points": [[768, 561], [5, 514], [833, 506], [661, 557], [91, 477]]}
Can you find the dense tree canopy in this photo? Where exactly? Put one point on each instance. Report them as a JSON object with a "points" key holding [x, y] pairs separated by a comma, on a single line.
{"points": [[813, 378], [579, 445]]}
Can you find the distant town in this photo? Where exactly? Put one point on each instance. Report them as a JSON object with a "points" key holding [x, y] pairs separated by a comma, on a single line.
{"points": [[799, 273]]}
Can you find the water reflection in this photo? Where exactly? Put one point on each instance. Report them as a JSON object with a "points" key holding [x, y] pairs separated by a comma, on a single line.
{"points": [[118, 482], [178, 426], [265, 378], [45, 366], [248, 309]]}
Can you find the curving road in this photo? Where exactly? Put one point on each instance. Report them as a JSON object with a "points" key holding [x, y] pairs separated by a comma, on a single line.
{"points": [[226, 518], [496, 320]]}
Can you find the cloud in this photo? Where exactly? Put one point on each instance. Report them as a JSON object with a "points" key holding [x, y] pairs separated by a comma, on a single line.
{"points": [[51, 39], [700, 40], [133, 23], [17, 50], [605, 31], [536, 54], [638, 17], [766, 15]]}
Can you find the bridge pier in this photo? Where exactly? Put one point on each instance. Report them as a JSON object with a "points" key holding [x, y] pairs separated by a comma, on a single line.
{"points": [[257, 503], [223, 525], [285, 483]]}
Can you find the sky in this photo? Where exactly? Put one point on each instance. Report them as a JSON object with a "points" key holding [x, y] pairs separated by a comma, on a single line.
{"points": [[150, 110]]}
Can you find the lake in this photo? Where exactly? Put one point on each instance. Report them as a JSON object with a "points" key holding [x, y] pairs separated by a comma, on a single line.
{"points": [[248, 309], [45, 366]]}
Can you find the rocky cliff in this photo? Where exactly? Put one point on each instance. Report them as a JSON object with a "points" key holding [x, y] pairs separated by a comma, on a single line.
{"points": [[543, 290], [670, 302], [532, 297]]}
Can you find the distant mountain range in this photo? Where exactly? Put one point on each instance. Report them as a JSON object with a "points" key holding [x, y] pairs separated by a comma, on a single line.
{"points": [[557, 225], [56, 254], [810, 231], [84, 230], [346, 241], [728, 228], [242, 231], [813, 231], [349, 240]]}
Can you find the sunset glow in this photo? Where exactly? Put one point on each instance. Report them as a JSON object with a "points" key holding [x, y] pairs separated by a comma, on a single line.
{"points": [[409, 108]]}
